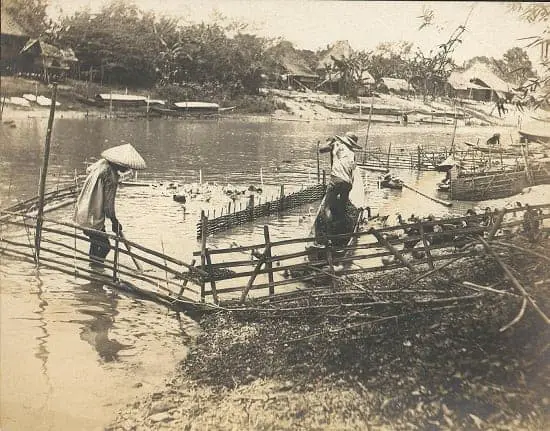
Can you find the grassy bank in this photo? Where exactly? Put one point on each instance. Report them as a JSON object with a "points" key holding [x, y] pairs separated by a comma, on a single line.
{"points": [[451, 368]]}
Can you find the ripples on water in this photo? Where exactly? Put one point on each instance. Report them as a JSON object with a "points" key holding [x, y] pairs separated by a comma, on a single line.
{"points": [[73, 352]]}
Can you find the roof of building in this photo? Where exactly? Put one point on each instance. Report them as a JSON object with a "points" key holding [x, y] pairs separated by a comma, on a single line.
{"points": [[479, 76], [295, 68], [459, 81], [48, 50], [339, 50], [8, 25], [396, 84]]}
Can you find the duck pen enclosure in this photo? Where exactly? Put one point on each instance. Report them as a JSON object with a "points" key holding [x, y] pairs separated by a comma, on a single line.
{"points": [[291, 276], [253, 211]]}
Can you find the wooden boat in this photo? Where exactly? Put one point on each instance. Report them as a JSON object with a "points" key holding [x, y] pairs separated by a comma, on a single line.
{"points": [[493, 150], [197, 107], [186, 109], [471, 186], [532, 137], [391, 182], [106, 99], [444, 186]]}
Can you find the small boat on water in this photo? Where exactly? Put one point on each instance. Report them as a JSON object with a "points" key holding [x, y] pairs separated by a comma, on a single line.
{"points": [[493, 150], [388, 181], [444, 186]]}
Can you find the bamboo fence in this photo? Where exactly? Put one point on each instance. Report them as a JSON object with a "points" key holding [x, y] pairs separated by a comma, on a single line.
{"points": [[270, 269], [375, 250], [252, 212]]}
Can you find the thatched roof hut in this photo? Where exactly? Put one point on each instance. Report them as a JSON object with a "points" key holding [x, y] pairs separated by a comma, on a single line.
{"points": [[396, 85], [12, 39], [41, 57], [340, 49], [478, 82]]}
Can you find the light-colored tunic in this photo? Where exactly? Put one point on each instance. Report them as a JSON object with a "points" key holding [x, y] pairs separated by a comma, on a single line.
{"points": [[343, 162], [97, 198]]}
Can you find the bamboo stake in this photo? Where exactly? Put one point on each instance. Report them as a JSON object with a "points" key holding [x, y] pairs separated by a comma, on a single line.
{"points": [[368, 124], [391, 248], [426, 246], [514, 280], [204, 222], [252, 278], [212, 282], [185, 281], [269, 264], [136, 263], [43, 176]]}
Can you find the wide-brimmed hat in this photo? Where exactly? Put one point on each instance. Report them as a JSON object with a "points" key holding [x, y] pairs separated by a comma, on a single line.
{"points": [[124, 155], [350, 142]]}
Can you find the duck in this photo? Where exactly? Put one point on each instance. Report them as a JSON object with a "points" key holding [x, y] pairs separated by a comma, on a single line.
{"points": [[179, 198]]}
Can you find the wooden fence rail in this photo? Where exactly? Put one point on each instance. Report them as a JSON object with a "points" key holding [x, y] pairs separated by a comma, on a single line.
{"points": [[274, 266], [422, 247]]}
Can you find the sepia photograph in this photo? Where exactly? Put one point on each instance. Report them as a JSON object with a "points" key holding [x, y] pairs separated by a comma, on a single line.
{"points": [[274, 215]]}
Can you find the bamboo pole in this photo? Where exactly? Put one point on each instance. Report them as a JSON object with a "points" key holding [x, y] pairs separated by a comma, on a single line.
{"points": [[439, 201], [368, 125], [426, 246], [318, 163], [261, 261], [269, 264], [212, 282], [514, 280], [204, 222], [44, 173], [391, 248]]}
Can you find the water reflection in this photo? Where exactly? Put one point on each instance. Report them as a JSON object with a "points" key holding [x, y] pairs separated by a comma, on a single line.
{"points": [[42, 350], [101, 306]]}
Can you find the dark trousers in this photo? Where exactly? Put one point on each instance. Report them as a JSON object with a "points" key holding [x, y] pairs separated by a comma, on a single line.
{"points": [[334, 211], [99, 246], [337, 195]]}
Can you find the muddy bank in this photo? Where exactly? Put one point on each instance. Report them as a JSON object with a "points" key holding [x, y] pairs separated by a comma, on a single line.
{"points": [[451, 368]]}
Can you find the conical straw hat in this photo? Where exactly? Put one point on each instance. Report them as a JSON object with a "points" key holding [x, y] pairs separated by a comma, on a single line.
{"points": [[124, 155]]}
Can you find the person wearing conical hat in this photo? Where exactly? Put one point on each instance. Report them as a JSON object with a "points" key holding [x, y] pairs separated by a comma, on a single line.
{"points": [[96, 201], [341, 149]]}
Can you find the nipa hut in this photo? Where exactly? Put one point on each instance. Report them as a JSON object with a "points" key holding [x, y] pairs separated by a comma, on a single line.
{"points": [[12, 39], [297, 75], [478, 82], [395, 85], [47, 60], [326, 68]]}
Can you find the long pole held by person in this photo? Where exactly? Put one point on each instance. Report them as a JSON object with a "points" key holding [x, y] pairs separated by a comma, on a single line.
{"points": [[44, 173]]}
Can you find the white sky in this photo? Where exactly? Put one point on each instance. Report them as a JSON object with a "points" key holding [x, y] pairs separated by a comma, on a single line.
{"points": [[314, 24]]}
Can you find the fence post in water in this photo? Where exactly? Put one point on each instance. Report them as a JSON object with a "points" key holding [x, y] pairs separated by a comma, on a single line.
{"points": [[211, 273], [115, 259], [268, 263], [389, 152], [204, 228], [251, 207], [331, 263], [419, 156], [318, 164], [324, 178], [43, 174], [185, 281]]}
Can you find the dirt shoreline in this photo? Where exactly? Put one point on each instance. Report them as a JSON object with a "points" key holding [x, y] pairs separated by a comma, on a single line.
{"points": [[452, 369]]}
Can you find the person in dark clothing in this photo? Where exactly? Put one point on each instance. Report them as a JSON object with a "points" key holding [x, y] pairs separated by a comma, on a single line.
{"points": [[494, 140]]}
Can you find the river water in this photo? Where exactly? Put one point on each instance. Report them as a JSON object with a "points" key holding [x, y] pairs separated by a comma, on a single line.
{"points": [[73, 352]]}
